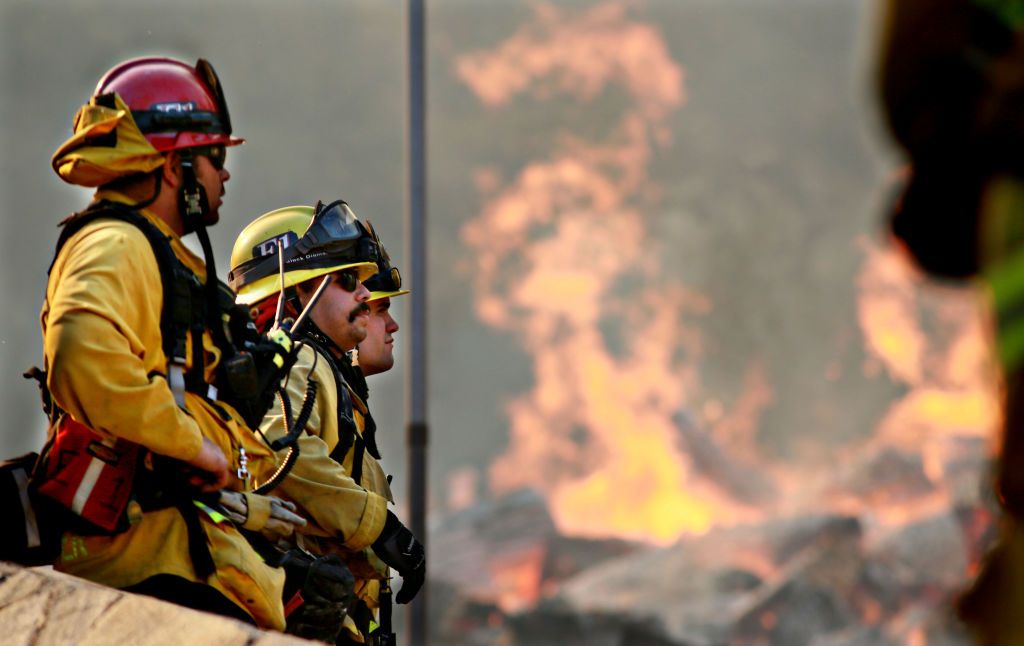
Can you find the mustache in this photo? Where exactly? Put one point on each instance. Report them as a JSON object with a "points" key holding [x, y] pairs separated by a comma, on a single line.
{"points": [[356, 311]]}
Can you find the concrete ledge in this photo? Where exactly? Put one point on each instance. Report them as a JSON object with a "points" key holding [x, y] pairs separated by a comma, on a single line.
{"points": [[39, 606]]}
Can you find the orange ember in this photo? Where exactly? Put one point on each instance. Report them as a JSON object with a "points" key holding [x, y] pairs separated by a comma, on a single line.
{"points": [[516, 578]]}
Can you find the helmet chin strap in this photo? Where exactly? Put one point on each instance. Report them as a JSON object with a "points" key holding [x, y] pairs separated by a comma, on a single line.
{"points": [[193, 204], [194, 207]]}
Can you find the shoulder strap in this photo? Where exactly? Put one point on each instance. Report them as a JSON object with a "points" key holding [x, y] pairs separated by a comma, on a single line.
{"points": [[348, 435], [361, 393], [165, 258], [179, 284]]}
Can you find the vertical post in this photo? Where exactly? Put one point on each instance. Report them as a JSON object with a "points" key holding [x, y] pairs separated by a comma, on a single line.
{"points": [[416, 239]]}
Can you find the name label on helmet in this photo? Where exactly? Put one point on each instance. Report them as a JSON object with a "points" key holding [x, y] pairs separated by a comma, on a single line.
{"points": [[269, 247], [175, 108]]}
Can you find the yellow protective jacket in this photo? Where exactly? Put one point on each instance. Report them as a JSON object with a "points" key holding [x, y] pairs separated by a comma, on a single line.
{"points": [[107, 369], [345, 516]]}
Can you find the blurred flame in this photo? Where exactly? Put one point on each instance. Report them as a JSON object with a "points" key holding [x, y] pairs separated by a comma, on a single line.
{"points": [[950, 369], [934, 341], [888, 315], [516, 577], [551, 252], [738, 428], [579, 55]]}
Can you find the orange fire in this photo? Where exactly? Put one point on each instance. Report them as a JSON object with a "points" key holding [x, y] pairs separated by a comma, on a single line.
{"points": [[579, 55], [516, 577], [948, 367], [596, 432]]}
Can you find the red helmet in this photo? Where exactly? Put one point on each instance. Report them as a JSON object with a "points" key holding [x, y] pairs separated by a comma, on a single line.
{"points": [[174, 105]]}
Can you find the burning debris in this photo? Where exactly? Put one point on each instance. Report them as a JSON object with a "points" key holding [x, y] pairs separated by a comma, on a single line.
{"points": [[509, 552], [821, 579]]}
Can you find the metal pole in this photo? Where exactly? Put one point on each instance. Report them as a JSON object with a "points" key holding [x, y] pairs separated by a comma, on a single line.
{"points": [[416, 239]]}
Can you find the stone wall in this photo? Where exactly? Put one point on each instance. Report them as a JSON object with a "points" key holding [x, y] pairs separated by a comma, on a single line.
{"points": [[39, 606]]}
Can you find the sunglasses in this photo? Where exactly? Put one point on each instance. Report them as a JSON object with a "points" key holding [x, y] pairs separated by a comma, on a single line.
{"points": [[216, 153], [347, 279]]}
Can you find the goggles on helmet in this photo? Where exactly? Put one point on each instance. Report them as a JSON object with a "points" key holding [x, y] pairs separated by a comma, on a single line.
{"points": [[388, 280], [334, 237]]}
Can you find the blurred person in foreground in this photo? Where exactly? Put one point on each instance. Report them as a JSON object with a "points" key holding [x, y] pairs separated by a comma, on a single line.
{"points": [[337, 480], [149, 365], [952, 88]]}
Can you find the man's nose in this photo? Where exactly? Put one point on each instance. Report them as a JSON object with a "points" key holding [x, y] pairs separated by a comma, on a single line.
{"points": [[362, 293], [392, 325]]}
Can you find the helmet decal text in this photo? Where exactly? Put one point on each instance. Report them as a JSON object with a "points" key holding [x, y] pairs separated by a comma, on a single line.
{"points": [[175, 108], [269, 247]]}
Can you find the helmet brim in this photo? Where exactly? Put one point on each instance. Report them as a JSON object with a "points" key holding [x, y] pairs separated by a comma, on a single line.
{"points": [[376, 296], [168, 141], [269, 285]]}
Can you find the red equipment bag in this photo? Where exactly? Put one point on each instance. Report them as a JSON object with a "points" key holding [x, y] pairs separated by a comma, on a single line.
{"points": [[89, 475]]}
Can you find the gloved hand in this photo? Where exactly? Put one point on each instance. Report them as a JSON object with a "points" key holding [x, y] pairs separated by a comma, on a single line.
{"points": [[327, 589], [397, 547], [261, 513]]}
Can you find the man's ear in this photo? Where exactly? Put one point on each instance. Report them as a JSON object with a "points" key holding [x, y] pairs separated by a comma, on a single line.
{"points": [[171, 171]]}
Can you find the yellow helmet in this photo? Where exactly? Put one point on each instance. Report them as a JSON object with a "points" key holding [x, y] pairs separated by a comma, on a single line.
{"points": [[388, 281], [316, 241]]}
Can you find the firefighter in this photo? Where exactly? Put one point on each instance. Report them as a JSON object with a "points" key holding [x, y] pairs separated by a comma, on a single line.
{"points": [[952, 89], [376, 352], [337, 481], [146, 421], [374, 355]]}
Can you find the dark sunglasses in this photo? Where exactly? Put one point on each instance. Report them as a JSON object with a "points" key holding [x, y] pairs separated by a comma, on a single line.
{"points": [[347, 279], [216, 153]]}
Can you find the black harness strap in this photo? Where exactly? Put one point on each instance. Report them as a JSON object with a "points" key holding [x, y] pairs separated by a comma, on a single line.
{"points": [[357, 382], [348, 434], [165, 259], [182, 312], [198, 547]]}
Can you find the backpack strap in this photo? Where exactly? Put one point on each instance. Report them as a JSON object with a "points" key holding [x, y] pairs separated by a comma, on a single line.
{"points": [[348, 434], [361, 396], [182, 310]]}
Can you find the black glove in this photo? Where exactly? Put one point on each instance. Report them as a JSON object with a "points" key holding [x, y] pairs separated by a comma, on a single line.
{"points": [[399, 549], [327, 588]]}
